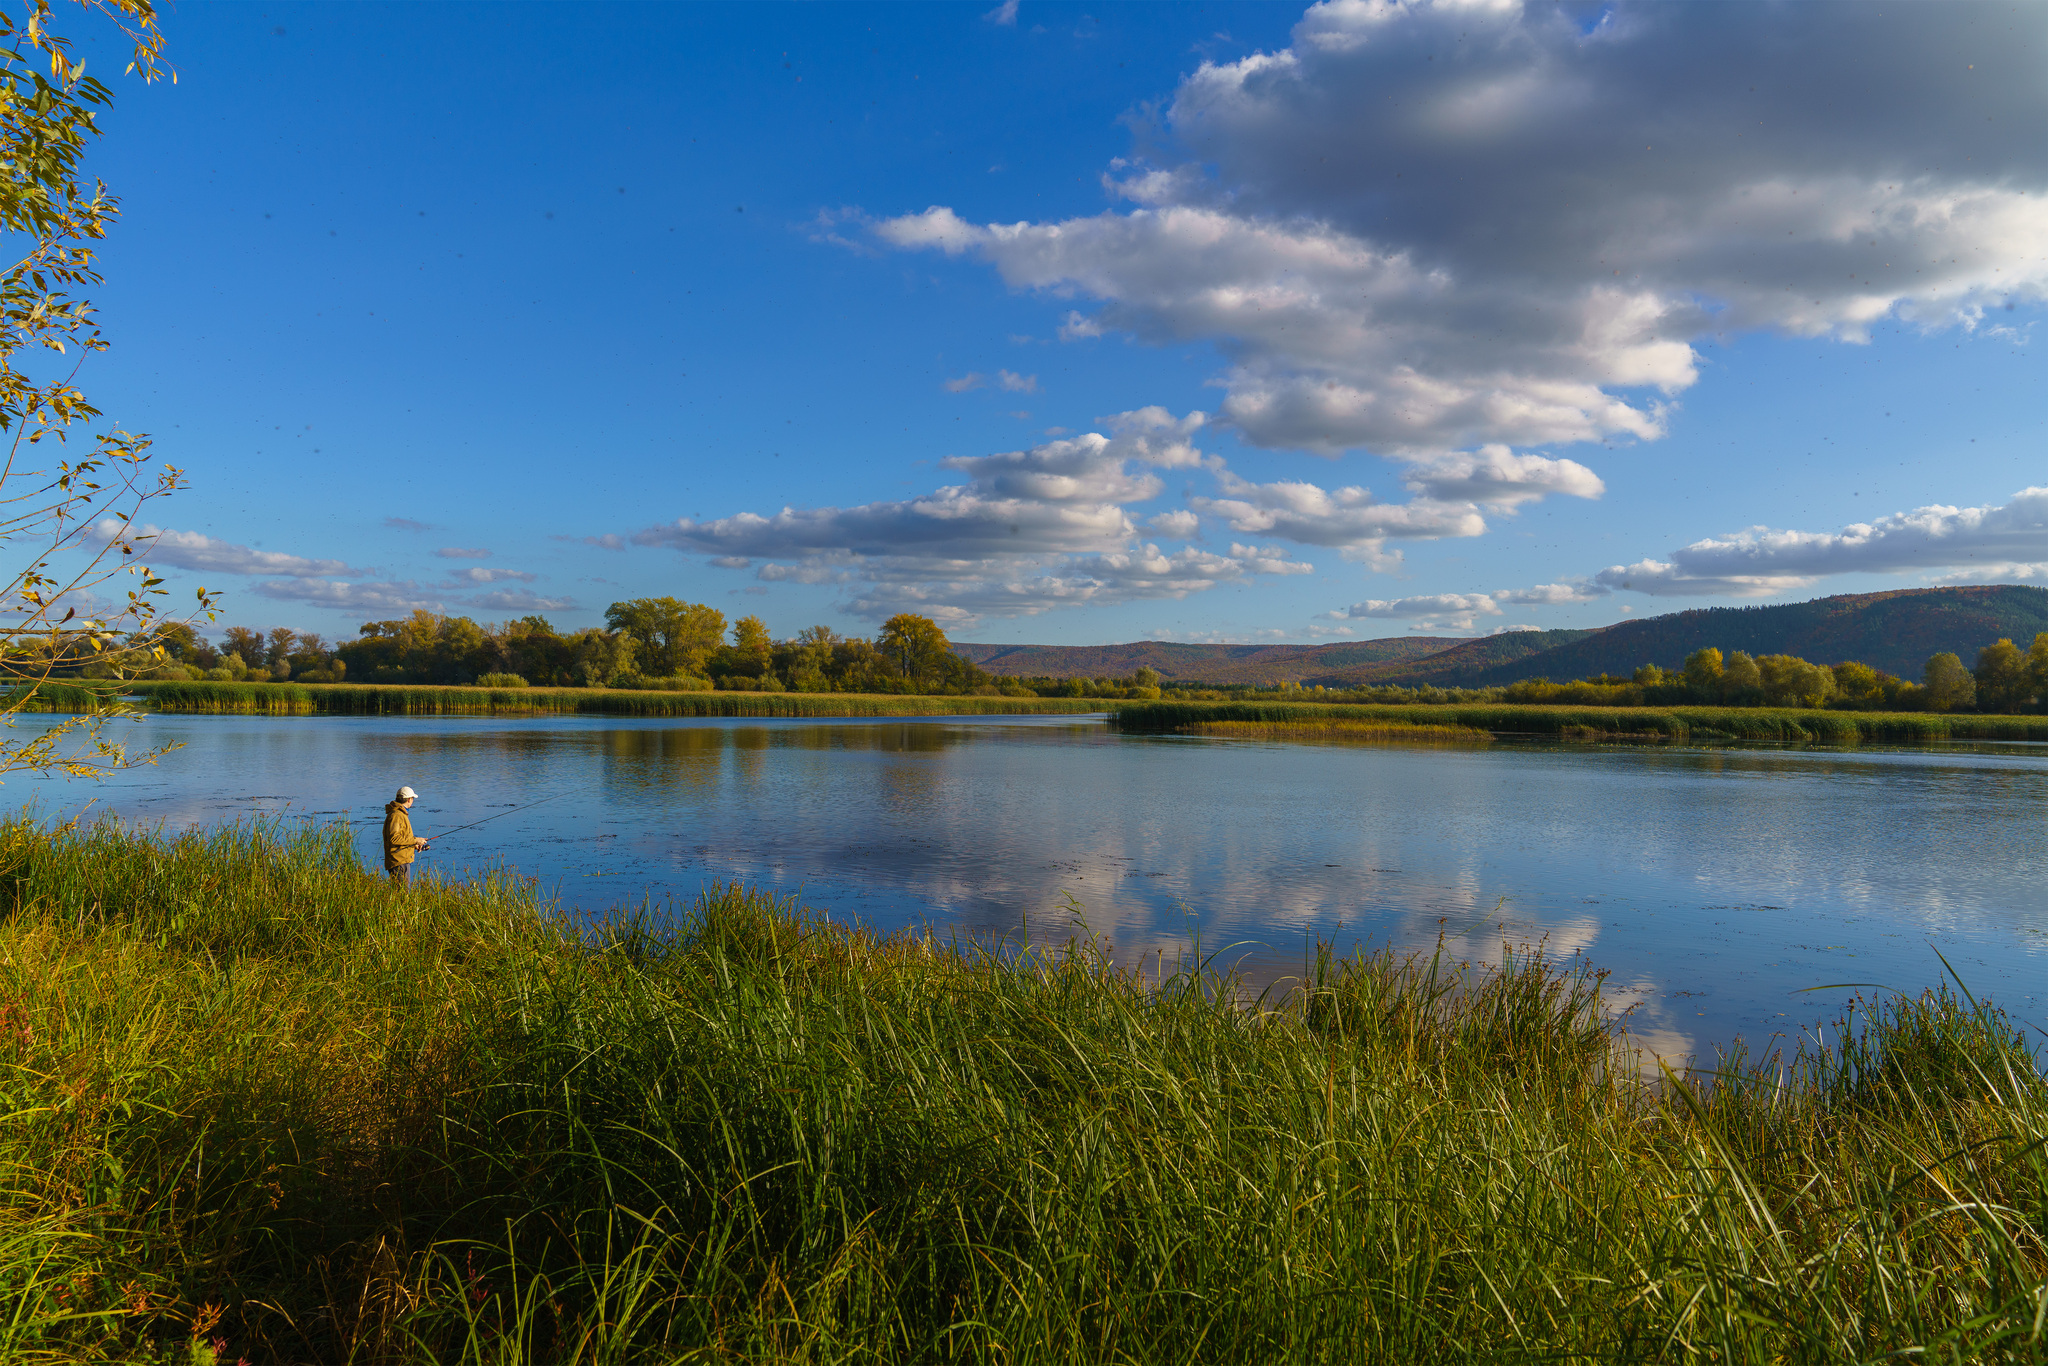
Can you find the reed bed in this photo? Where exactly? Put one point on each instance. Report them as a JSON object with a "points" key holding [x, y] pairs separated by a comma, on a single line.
{"points": [[261, 1106], [1334, 730], [1675, 723], [81, 697], [379, 699]]}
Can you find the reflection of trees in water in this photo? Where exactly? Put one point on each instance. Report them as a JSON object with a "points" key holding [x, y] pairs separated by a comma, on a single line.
{"points": [[416, 745], [665, 745], [912, 789], [691, 756], [885, 739], [650, 758], [466, 744], [684, 757], [748, 749]]}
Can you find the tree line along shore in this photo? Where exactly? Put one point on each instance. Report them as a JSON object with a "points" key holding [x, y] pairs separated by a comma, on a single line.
{"points": [[1652, 704], [648, 644], [264, 1107], [666, 645]]}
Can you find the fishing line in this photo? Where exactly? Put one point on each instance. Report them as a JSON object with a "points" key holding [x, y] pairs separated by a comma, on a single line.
{"points": [[513, 812]]}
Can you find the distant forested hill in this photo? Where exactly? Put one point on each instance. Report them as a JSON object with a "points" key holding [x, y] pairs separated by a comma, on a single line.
{"points": [[1204, 663], [1893, 631], [1447, 668]]}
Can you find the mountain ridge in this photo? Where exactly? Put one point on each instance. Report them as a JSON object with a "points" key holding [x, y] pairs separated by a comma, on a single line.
{"points": [[1895, 630], [1182, 660]]}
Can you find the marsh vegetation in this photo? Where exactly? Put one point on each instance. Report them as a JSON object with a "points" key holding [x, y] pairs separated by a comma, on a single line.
{"points": [[264, 1107], [1281, 718], [354, 699]]}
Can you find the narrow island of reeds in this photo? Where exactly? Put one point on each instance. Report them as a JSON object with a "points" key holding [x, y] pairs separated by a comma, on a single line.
{"points": [[1339, 730], [260, 1106], [1778, 724]]}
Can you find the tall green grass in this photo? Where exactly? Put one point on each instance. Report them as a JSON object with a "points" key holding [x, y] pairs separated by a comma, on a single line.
{"points": [[377, 699], [1737, 723], [52, 695], [261, 1105]]}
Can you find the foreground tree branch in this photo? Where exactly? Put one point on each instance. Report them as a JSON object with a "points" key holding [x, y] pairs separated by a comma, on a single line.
{"points": [[66, 520]]}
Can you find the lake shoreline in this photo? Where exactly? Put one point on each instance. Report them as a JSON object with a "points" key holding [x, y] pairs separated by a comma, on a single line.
{"points": [[1274, 720], [752, 1134], [401, 699]]}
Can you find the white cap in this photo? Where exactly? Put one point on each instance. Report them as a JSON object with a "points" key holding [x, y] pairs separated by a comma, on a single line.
{"points": [[406, 794]]}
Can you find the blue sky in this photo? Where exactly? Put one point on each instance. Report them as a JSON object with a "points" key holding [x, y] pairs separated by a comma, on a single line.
{"points": [[1078, 324]]}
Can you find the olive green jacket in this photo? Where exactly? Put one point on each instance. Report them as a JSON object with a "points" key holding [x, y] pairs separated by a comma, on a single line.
{"points": [[400, 844]]}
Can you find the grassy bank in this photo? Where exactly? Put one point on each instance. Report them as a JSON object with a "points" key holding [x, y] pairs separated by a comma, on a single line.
{"points": [[260, 1106], [376, 699], [1678, 723]]}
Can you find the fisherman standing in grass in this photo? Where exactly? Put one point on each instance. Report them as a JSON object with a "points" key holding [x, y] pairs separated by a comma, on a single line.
{"points": [[400, 844]]}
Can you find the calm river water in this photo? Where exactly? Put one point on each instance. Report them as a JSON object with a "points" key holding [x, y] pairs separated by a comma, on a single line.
{"points": [[1714, 883]]}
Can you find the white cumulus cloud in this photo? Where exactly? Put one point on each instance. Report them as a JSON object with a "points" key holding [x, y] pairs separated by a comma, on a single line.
{"points": [[521, 600], [1028, 531], [817, 570], [1144, 572], [1427, 612], [1462, 611], [1762, 560], [464, 578], [1064, 496], [197, 551], [1495, 477], [393, 597], [1432, 227], [1994, 573], [1348, 519], [1553, 594]]}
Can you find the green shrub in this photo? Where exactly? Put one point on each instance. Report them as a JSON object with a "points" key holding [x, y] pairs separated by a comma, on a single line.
{"points": [[501, 681]]}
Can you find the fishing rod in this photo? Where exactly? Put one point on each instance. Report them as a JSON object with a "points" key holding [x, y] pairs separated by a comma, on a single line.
{"points": [[513, 812]]}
